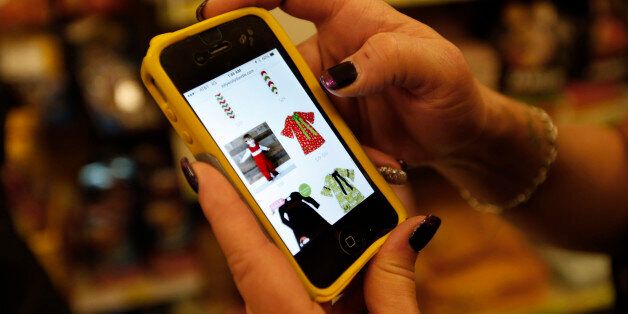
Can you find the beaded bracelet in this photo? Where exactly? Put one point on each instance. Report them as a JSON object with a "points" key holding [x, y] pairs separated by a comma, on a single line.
{"points": [[551, 134]]}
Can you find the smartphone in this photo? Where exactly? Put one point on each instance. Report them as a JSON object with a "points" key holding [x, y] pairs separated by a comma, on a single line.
{"points": [[242, 98]]}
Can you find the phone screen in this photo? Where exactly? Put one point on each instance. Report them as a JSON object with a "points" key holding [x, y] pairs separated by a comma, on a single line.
{"points": [[282, 147]]}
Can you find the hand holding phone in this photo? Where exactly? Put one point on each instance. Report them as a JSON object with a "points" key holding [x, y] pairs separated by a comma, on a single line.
{"points": [[410, 93], [268, 283], [239, 93]]}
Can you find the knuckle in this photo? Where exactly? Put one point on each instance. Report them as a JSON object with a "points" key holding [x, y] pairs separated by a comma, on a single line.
{"points": [[380, 51], [452, 57], [383, 45], [454, 77], [395, 269]]}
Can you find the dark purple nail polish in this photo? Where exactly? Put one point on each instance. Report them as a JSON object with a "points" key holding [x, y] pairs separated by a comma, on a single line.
{"points": [[404, 165], [189, 174], [199, 11], [339, 76], [424, 232]]}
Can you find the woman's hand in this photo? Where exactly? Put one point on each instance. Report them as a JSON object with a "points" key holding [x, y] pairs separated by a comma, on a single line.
{"points": [[407, 92], [267, 281], [413, 98]]}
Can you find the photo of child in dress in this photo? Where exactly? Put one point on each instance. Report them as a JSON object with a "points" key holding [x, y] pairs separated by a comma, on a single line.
{"points": [[257, 152], [260, 157]]}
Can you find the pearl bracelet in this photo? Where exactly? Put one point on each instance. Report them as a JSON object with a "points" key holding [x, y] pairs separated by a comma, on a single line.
{"points": [[551, 134]]}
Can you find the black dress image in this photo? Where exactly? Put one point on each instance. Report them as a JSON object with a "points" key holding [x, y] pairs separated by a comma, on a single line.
{"points": [[298, 213]]}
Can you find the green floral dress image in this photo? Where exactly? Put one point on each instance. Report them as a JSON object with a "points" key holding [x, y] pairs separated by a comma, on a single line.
{"points": [[340, 184]]}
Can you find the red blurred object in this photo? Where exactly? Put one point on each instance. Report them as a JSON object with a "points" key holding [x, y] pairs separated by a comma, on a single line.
{"points": [[92, 6], [34, 13], [14, 13], [587, 94]]}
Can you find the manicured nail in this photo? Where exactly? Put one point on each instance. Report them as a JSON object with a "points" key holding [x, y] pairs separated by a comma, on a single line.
{"points": [[189, 174], [339, 76], [424, 232], [199, 11], [393, 176], [403, 164]]}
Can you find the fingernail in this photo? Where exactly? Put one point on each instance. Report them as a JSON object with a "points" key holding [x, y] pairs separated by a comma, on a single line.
{"points": [[424, 232], [189, 174], [199, 11], [339, 76], [393, 176], [403, 164]]}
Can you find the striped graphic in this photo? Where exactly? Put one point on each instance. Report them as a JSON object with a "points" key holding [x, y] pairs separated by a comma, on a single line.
{"points": [[270, 83], [225, 106]]}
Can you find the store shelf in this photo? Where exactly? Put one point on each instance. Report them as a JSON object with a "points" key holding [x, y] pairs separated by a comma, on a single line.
{"points": [[135, 291]]}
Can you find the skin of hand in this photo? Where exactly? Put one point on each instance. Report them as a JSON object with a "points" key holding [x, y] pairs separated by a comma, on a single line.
{"points": [[411, 78], [408, 75], [255, 262]]}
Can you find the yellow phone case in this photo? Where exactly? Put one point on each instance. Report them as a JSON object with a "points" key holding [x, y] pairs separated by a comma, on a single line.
{"points": [[195, 136]]}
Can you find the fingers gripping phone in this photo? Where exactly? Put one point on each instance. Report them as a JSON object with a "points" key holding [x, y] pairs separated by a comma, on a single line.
{"points": [[235, 87]]}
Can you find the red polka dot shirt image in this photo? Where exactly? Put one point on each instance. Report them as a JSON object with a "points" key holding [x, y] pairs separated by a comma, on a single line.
{"points": [[299, 124]]}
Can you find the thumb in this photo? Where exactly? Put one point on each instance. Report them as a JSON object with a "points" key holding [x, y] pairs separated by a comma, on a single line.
{"points": [[395, 59], [389, 284], [380, 158]]}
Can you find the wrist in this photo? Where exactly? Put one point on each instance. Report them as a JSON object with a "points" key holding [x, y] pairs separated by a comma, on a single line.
{"points": [[504, 161]]}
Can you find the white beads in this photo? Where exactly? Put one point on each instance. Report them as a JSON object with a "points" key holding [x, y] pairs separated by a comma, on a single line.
{"points": [[551, 135]]}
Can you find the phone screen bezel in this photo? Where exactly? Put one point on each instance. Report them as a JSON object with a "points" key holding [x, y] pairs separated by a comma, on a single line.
{"points": [[324, 259]]}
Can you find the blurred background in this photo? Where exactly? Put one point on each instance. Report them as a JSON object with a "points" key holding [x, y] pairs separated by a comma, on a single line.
{"points": [[93, 190]]}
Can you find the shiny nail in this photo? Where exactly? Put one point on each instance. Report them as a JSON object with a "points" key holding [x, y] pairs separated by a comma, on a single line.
{"points": [[199, 11], [189, 174], [339, 76], [403, 164], [424, 232], [393, 176]]}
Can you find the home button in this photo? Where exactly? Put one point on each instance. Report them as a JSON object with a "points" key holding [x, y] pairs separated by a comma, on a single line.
{"points": [[351, 242]]}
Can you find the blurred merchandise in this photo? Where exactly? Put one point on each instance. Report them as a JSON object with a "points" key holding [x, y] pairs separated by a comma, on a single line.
{"points": [[534, 41], [137, 245], [174, 14], [107, 224], [608, 41], [21, 13], [109, 81], [165, 211], [598, 92], [483, 60], [34, 63], [577, 269], [30, 57], [594, 103], [91, 6], [24, 195]]}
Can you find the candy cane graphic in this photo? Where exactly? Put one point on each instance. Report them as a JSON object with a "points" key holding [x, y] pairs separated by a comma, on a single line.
{"points": [[225, 106], [270, 83]]}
